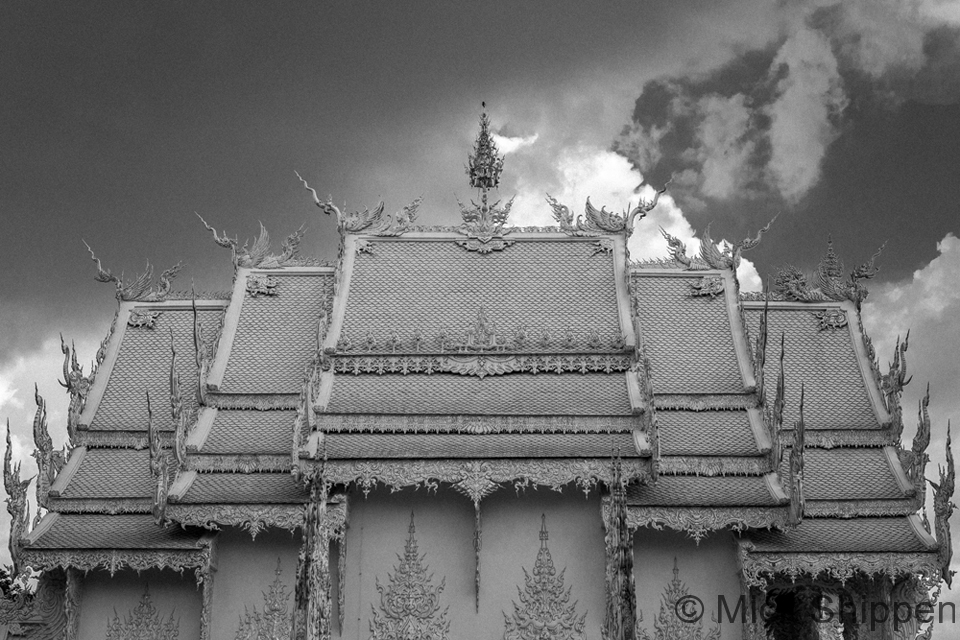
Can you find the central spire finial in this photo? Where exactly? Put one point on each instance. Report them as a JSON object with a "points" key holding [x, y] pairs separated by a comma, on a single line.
{"points": [[485, 164]]}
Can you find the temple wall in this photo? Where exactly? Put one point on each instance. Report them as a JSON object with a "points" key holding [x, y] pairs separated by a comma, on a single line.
{"points": [[378, 530], [246, 569], [707, 570], [103, 597]]}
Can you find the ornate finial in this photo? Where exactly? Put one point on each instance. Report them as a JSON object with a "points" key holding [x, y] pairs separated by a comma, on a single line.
{"points": [[544, 534], [943, 507], [485, 164]]}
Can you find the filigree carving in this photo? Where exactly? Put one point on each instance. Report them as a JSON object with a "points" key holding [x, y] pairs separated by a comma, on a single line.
{"points": [[76, 384], [17, 505], [707, 286], [714, 465], [758, 568], [141, 288], [669, 625], [143, 318], [143, 622], [696, 402], [260, 401], [915, 461], [410, 603], [313, 604], [238, 463], [476, 486], [425, 423], [261, 284], [178, 418], [45, 614], [49, 462], [253, 519], [368, 222], [482, 365], [796, 469], [832, 319], [544, 609], [698, 522], [943, 508], [159, 466], [522, 473], [596, 222], [621, 600], [116, 559], [275, 622], [257, 255], [894, 381], [791, 283]]}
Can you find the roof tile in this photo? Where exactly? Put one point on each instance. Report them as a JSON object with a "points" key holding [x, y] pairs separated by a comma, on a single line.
{"points": [[97, 531], [251, 432], [830, 535], [688, 339], [501, 445], [705, 433], [702, 491]]}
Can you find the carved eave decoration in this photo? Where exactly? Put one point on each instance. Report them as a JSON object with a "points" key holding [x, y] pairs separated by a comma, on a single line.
{"points": [[49, 462], [720, 256], [254, 519], [698, 522], [714, 465], [76, 383], [114, 560], [471, 476], [759, 569], [141, 288]]}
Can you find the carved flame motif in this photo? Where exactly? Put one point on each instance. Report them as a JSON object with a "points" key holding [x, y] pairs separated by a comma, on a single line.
{"points": [[544, 612], [143, 623], [143, 318], [668, 625], [261, 285], [410, 604], [275, 622]]}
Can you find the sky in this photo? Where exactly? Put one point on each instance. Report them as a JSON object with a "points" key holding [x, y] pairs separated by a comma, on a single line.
{"points": [[122, 119]]}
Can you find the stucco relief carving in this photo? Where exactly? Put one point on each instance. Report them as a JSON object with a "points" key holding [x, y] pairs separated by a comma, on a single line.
{"points": [[544, 610], [275, 620], [758, 568], [143, 622], [707, 286], [831, 319], [410, 603], [698, 522], [142, 287], [668, 625], [555, 474], [253, 519], [115, 560], [143, 318], [482, 365]]}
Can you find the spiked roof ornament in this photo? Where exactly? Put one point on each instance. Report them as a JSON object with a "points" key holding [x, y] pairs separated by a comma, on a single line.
{"points": [[485, 164]]}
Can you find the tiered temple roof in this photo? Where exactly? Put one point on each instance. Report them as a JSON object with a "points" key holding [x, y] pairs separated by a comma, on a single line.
{"points": [[485, 356]]}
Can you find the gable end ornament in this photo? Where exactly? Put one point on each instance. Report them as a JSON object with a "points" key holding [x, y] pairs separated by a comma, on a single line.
{"points": [[141, 288]]}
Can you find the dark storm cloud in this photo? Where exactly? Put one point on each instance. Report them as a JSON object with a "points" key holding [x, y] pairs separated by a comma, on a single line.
{"points": [[843, 122]]}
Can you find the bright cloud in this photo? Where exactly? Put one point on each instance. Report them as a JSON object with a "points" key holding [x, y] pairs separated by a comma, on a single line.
{"points": [[507, 144]]}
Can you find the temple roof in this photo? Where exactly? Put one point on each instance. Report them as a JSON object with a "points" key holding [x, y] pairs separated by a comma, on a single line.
{"points": [[542, 354], [99, 531]]}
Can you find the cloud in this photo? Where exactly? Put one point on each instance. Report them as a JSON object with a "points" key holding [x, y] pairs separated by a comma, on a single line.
{"points": [[509, 144], [928, 304], [809, 101], [609, 179], [754, 129]]}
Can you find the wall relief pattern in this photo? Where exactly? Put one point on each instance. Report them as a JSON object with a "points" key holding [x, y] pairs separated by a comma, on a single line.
{"points": [[143, 622], [410, 603], [275, 620], [669, 625], [544, 610]]}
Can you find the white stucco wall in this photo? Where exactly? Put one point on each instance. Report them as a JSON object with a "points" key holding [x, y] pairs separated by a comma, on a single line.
{"points": [[445, 523], [246, 568], [708, 570], [170, 592]]}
